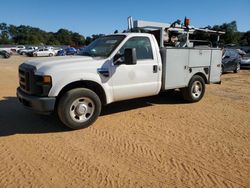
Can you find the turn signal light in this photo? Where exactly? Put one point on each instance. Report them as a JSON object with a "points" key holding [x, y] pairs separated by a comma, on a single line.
{"points": [[47, 79]]}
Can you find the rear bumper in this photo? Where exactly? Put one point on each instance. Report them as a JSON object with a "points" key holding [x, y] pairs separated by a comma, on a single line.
{"points": [[245, 65], [43, 105]]}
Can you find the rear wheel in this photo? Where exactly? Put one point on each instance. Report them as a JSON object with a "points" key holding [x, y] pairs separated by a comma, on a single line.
{"points": [[222, 69], [237, 69], [50, 54], [79, 108], [195, 90]]}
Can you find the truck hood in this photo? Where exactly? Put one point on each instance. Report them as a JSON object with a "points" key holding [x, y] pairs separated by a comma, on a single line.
{"points": [[45, 64]]}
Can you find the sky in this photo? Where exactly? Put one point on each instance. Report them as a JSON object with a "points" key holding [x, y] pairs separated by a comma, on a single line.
{"points": [[105, 16]]}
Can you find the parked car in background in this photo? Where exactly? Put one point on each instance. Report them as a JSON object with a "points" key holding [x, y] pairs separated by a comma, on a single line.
{"points": [[67, 51], [71, 51], [231, 60], [44, 52], [30, 53], [29, 49], [61, 53], [18, 48], [4, 54], [245, 61], [55, 49], [6, 49]]}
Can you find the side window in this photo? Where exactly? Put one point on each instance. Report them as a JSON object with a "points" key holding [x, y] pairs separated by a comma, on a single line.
{"points": [[234, 54], [228, 53], [142, 46]]}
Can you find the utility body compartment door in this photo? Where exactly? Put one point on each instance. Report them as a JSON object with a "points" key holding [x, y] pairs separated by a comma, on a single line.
{"points": [[175, 67], [180, 64], [215, 67], [199, 57]]}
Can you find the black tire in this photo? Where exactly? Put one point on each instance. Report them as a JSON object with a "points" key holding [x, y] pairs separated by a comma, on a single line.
{"points": [[222, 69], [237, 68], [66, 108], [190, 94], [50, 55]]}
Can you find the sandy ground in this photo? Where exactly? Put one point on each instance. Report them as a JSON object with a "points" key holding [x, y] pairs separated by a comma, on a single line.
{"points": [[151, 142]]}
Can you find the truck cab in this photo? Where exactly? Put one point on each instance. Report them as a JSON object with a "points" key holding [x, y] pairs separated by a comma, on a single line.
{"points": [[113, 68]]}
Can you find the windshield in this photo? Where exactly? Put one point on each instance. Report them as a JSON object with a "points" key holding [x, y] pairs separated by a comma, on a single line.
{"points": [[103, 47]]}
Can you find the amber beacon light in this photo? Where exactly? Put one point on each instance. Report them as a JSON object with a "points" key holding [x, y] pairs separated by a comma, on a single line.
{"points": [[187, 22]]}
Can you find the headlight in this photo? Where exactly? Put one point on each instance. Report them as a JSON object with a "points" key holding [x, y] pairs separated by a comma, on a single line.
{"points": [[43, 84]]}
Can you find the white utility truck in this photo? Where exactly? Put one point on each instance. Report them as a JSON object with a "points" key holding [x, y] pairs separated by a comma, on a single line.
{"points": [[121, 66]]}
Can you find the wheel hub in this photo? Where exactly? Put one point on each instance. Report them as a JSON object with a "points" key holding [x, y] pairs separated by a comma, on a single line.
{"points": [[81, 109], [196, 88]]}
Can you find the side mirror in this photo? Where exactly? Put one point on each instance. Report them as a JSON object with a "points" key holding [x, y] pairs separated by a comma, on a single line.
{"points": [[130, 56]]}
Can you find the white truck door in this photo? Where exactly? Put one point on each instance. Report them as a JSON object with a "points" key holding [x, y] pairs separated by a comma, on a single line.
{"points": [[142, 79]]}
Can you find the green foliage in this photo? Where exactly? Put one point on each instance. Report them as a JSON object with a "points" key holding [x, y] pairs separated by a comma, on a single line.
{"points": [[245, 38], [11, 34], [232, 36]]}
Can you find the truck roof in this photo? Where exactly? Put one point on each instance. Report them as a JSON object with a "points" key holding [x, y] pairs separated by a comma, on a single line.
{"points": [[132, 33]]}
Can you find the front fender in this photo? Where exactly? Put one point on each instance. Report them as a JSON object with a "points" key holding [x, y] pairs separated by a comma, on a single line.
{"points": [[58, 83]]}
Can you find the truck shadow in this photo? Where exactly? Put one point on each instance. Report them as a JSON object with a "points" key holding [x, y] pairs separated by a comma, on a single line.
{"points": [[170, 97], [15, 119]]}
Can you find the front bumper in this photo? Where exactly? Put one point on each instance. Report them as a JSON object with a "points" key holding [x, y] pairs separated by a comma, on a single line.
{"points": [[44, 105]]}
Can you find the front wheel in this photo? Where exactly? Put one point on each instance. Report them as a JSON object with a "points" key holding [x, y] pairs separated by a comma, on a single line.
{"points": [[237, 68], [79, 108], [195, 90]]}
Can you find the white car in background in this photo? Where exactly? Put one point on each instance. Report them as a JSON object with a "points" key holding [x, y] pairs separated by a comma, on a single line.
{"points": [[44, 52], [245, 61], [6, 49], [18, 48], [27, 50]]}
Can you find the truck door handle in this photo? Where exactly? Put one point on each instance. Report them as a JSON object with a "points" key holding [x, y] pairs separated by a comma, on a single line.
{"points": [[155, 68]]}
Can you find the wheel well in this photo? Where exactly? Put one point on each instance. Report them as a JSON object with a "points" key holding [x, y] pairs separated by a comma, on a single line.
{"points": [[85, 84], [203, 76]]}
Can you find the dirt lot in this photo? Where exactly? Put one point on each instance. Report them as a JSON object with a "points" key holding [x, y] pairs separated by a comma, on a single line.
{"points": [[151, 142]]}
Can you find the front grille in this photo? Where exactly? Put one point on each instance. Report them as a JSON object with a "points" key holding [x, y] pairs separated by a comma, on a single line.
{"points": [[27, 78], [31, 83]]}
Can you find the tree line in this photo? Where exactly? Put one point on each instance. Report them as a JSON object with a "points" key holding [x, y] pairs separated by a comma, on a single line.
{"points": [[232, 35], [26, 35]]}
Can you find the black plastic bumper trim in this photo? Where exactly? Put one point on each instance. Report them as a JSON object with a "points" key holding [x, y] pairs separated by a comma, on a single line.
{"points": [[44, 105]]}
